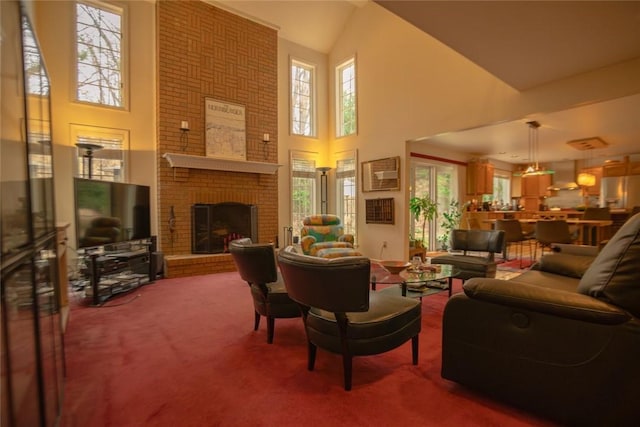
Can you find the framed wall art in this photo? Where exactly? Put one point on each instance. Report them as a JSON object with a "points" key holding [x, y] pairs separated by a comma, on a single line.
{"points": [[225, 130]]}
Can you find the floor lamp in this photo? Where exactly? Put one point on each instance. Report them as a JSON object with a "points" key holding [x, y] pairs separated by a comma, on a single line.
{"points": [[323, 189], [88, 156]]}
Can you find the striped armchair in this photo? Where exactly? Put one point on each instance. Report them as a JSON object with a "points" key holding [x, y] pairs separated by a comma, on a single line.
{"points": [[323, 232]]}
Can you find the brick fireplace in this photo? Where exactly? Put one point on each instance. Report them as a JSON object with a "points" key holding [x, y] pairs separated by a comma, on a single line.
{"points": [[206, 52]]}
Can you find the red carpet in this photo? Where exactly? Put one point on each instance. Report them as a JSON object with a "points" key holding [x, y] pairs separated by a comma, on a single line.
{"points": [[184, 353]]}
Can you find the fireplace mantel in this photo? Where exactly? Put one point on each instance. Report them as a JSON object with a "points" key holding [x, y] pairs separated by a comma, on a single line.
{"points": [[211, 163]]}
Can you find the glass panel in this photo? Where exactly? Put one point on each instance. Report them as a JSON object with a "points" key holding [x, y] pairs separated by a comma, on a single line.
{"points": [[49, 324], [14, 191], [19, 320], [38, 125]]}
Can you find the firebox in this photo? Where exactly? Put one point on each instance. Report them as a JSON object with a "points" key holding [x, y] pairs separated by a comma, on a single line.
{"points": [[213, 226]]}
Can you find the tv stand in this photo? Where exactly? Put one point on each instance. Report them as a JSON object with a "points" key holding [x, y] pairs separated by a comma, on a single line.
{"points": [[114, 272]]}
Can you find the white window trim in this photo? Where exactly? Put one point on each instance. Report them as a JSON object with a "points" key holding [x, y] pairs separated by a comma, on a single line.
{"points": [[77, 130], [342, 155], [303, 155], [337, 96], [314, 97], [114, 7]]}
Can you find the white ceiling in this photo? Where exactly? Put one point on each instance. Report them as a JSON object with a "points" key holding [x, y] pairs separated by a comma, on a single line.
{"points": [[525, 44]]}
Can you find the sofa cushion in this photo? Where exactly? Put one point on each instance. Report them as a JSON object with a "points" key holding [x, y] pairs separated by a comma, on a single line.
{"points": [[564, 264], [547, 280], [614, 276]]}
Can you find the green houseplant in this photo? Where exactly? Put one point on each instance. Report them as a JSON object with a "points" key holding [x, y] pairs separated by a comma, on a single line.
{"points": [[424, 209], [450, 220]]}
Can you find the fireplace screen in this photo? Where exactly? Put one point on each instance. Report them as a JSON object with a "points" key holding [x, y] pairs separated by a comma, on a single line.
{"points": [[213, 226]]}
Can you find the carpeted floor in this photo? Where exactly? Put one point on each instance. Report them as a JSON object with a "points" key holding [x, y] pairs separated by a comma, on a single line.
{"points": [[182, 352]]}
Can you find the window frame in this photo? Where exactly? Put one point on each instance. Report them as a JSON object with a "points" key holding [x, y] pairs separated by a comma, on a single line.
{"points": [[339, 191], [78, 131], [339, 99], [121, 10], [435, 169], [313, 115], [313, 179]]}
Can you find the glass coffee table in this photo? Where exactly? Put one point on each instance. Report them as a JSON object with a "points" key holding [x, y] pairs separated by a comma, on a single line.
{"points": [[415, 284]]}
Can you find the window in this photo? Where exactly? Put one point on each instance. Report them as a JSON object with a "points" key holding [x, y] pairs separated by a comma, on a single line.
{"points": [[303, 188], [501, 190], [303, 112], [439, 182], [346, 120], [36, 80], [99, 54], [101, 152], [346, 191]]}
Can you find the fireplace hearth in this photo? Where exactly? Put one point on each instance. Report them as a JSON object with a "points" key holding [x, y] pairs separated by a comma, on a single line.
{"points": [[213, 226]]}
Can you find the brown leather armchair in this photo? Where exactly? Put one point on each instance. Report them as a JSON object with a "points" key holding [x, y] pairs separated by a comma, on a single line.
{"points": [[341, 315], [562, 340], [256, 264]]}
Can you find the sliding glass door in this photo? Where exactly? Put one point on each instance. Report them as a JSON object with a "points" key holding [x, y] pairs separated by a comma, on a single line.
{"points": [[439, 182]]}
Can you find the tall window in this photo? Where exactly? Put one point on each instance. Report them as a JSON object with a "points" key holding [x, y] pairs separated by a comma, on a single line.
{"points": [[501, 190], [346, 120], [303, 112], [100, 152], [99, 54], [438, 182], [37, 82], [346, 190], [303, 188]]}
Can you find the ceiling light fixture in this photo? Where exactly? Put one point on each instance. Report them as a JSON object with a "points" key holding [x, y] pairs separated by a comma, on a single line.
{"points": [[534, 168]]}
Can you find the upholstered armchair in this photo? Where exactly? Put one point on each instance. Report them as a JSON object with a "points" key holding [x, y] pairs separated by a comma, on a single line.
{"points": [[256, 265], [340, 313], [323, 232]]}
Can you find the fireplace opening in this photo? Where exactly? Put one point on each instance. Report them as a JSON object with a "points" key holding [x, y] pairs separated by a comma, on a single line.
{"points": [[213, 226]]}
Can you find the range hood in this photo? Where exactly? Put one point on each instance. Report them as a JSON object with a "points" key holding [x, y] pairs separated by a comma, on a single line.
{"points": [[564, 177]]}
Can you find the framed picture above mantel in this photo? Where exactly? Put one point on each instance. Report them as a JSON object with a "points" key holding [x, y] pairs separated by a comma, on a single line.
{"points": [[225, 130]]}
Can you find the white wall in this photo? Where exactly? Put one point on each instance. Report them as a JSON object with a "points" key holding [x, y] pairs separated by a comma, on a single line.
{"points": [[55, 30], [411, 86], [286, 141]]}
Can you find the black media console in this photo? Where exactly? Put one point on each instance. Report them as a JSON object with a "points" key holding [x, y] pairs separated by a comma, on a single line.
{"points": [[115, 270]]}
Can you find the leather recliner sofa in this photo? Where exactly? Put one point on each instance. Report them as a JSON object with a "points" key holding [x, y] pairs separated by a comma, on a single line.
{"points": [[561, 340]]}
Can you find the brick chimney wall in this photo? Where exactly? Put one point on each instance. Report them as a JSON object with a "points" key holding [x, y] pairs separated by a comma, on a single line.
{"points": [[206, 52]]}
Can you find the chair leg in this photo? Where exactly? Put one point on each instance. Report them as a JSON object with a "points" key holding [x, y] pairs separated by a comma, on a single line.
{"points": [[271, 325], [414, 349], [311, 361], [256, 321], [347, 365]]}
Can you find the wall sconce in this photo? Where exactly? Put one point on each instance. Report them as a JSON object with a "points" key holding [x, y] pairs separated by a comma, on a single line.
{"points": [[323, 188], [184, 134], [265, 142]]}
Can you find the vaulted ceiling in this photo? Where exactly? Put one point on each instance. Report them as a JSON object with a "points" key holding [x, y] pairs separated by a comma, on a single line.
{"points": [[523, 43]]}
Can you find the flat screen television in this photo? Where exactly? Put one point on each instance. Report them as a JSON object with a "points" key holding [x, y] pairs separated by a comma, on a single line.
{"points": [[110, 212]]}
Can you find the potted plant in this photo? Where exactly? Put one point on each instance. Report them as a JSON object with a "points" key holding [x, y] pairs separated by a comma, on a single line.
{"points": [[450, 220], [425, 209]]}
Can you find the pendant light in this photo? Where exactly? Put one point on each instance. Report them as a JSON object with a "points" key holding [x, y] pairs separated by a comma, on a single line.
{"points": [[533, 168]]}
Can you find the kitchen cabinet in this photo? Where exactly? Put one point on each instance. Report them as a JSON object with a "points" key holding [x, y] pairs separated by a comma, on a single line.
{"points": [[634, 168], [479, 177], [536, 185], [615, 169], [595, 189]]}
